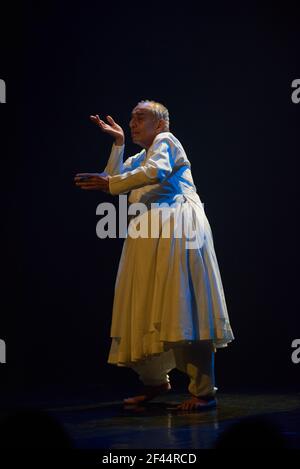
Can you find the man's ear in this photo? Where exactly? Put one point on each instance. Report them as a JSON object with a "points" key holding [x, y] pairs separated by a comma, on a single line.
{"points": [[160, 125]]}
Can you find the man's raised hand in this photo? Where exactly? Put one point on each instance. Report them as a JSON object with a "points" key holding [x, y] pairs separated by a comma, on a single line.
{"points": [[112, 128]]}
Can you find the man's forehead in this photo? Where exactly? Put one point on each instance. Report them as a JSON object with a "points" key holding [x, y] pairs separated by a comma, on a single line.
{"points": [[141, 110]]}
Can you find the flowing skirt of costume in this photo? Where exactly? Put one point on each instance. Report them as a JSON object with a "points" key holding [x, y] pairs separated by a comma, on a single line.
{"points": [[165, 292]]}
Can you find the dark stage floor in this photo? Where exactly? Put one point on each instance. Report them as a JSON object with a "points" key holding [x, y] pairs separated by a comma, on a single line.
{"points": [[94, 420], [110, 425]]}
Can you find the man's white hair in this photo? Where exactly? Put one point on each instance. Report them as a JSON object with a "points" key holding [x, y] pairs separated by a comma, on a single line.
{"points": [[159, 110]]}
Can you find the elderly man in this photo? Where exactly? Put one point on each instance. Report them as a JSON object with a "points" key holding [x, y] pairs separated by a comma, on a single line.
{"points": [[169, 306]]}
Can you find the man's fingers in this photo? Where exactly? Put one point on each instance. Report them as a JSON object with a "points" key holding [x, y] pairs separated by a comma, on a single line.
{"points": [[96, 119], [85, 174], [87, 184], [90, 188], [79, 178], [110, 120], [91, 176], [97, 179], [90, 181], [83, 177], [95, 182]]}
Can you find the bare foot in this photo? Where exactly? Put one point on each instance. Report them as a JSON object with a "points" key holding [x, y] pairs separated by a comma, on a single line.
{"points": [[196, 403], [149, 392]]}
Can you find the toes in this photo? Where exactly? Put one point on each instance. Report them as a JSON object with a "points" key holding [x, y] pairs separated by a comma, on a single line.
{"points": [[188, 405], [135, 400]]}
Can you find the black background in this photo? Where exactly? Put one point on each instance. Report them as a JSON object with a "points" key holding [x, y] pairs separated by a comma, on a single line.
{"points": [[225, 74]]}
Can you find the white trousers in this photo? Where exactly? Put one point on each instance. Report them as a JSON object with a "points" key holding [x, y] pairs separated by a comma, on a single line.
{"points": [[195, 359]]}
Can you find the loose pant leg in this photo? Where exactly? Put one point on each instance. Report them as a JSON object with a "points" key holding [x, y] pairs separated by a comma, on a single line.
{"points": [[197, 361], [154, 370]]}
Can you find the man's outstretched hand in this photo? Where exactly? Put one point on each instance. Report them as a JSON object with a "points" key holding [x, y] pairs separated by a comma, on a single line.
{"points": [[100, 181], [112, 128], [92, 181]]}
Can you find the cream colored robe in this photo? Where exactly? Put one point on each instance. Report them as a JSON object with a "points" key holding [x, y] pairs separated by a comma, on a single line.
{"points": [[164, 293]]}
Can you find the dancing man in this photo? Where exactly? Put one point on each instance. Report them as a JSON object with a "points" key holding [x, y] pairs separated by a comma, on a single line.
{"points": [[169, 307]]}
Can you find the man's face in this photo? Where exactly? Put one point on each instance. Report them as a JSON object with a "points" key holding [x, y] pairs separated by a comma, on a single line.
{"points": [[144, 125]]}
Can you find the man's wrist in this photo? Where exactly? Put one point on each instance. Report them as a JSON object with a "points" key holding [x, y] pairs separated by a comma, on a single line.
{"points": [[119, 142]]}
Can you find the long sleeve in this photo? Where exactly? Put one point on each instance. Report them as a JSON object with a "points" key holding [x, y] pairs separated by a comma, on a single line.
{"points": [[115, 163], [157, 168]]}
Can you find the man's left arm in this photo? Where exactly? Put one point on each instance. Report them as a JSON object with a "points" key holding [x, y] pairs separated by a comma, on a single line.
{"points": [[157, 168]]}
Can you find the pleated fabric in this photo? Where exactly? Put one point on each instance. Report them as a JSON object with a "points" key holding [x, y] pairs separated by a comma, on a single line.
{"points": [[166, 291]]}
